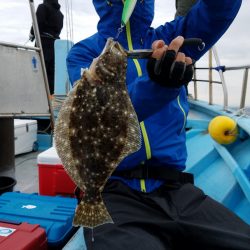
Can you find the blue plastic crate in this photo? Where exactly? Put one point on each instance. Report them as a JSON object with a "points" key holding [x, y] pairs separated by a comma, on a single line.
{"points": [[54, 214]]}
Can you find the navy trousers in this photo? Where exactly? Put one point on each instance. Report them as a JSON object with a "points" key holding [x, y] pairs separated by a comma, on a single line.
{"points": [[176, 217]]}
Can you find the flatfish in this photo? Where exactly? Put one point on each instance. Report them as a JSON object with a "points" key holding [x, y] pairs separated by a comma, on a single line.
{"points": [[96, 128]]}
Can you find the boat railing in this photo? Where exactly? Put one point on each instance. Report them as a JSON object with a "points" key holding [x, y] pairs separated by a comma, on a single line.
{"points": [[18, 46], [221, 69]]}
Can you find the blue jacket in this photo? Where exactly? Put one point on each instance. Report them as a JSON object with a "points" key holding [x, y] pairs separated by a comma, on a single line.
{"points": [[162, 112]]}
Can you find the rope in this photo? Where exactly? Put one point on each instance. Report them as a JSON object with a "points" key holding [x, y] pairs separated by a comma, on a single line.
{"points": [[70, 38], [69, 21]]}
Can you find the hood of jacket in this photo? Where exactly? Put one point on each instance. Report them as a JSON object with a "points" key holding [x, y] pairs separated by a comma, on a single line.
{"points": [[110, 12], [53, 3]]}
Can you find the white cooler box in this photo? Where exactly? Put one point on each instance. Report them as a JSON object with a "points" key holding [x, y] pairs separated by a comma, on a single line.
{"points": [[25, 136]]}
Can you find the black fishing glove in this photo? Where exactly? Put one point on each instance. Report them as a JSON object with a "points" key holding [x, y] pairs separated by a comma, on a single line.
{"points": [[168, 72], [31, 37]]}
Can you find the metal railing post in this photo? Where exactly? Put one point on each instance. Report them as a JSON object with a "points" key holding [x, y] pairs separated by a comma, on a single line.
{"points": [[195, 85], [244, 89], [225, 92], [210, 76], [39, 44]]}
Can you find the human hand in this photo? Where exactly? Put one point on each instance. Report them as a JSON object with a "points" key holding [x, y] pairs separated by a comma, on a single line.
{"points": [[169, 67], [31, 37]]}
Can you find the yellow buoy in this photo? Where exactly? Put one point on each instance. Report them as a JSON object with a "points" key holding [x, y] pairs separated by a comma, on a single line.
{"points": [[223, 129]]}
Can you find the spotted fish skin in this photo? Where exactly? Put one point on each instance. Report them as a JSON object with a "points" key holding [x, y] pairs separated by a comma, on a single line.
{"points": [[96, 128]]}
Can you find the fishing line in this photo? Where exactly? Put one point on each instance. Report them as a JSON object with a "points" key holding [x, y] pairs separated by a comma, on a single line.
{"points": [[69, 32], [69, 19], [119, 31], [128, 8]]}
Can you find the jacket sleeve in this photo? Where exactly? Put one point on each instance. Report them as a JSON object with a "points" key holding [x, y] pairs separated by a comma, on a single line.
{"points": [[208, 20], [80, 57], [76, 61]]}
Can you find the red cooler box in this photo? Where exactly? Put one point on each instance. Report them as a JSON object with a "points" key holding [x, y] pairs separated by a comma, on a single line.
{"points": [[22, 236], [53, 180]]}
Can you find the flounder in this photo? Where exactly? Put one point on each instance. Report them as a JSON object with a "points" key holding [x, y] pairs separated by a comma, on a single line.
{"points": [[96, 128]]}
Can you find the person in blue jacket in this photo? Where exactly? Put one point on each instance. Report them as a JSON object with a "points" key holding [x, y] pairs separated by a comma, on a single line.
{"points": [[154, 205]]}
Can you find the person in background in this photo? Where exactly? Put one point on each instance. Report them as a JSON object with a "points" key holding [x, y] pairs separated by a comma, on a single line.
{"points": [[183, 7], [50, 24], [153, 203]]}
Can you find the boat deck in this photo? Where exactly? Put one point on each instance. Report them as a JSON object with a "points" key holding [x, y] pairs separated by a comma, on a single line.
{"points": [[26, 173]]}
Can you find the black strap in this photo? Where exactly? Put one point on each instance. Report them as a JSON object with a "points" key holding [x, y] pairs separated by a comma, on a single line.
{"points": [[156, 172]]}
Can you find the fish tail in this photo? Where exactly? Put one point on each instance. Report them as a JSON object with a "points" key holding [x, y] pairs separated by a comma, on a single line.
{"points": [[91, 214]]}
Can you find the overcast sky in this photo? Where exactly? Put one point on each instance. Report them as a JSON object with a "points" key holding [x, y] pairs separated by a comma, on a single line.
{"points": [[233, 48]]}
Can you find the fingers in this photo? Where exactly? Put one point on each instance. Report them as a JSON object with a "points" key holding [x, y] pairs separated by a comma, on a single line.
{"points": [[158, 44], [180, 57], [168, 66], [159, 48], [178, 67], [177, 71], [176, 43], [188, 60], [166, 56], [175, 46]]}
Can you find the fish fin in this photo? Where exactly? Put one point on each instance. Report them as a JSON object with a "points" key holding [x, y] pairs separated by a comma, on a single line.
{"points": [[91, 215]]}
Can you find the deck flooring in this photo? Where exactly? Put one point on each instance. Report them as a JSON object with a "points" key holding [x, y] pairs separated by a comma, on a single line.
{"points": [[26, 173]]}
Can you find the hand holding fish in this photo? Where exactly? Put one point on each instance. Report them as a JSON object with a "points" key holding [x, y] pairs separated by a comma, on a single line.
{"points": [[168, 66]]}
